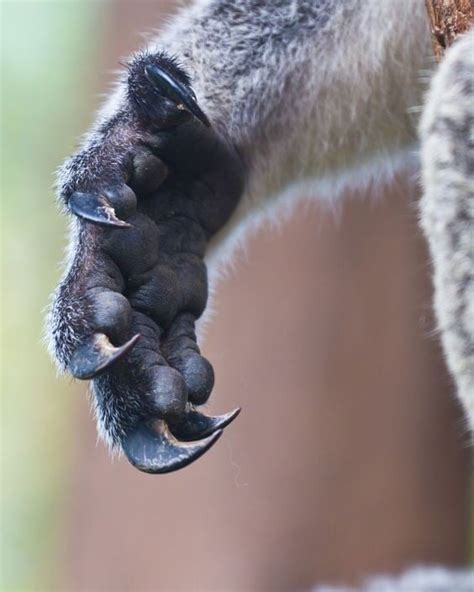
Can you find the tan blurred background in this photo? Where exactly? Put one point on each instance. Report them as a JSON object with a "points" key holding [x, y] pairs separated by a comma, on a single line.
{"points": [[349, 456]]}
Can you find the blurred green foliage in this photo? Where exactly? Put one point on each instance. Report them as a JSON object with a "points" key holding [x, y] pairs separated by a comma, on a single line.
{"points": [[47, 48]]}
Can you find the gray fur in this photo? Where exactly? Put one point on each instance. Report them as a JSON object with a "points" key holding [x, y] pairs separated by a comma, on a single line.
{"points": [[420, 579], [447, 208], [313, 101]]}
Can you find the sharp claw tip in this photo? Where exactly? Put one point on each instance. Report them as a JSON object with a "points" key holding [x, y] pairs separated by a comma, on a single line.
{"points": [[194, 425], [133, 340], [204, 119], [96, 355], [228, 418], [121, 224]]}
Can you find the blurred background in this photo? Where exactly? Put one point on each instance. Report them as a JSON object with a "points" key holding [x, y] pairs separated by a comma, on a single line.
{"points": [[349, 456]]}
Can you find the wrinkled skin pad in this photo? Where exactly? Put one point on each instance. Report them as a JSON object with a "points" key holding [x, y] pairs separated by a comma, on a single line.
{"points": [[147, 192]]}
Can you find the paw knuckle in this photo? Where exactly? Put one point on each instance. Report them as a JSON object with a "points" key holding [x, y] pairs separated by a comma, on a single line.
{"points": [[112, 313], [168, 393]]}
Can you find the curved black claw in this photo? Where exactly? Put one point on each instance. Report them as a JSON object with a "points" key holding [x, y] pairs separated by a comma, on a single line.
{"points": [[95, 208], [176, 91], [96, 354], [195, 425], [153, 449]]}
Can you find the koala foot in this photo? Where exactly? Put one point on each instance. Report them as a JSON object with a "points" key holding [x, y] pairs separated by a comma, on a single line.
{"points": [[148, 189]]}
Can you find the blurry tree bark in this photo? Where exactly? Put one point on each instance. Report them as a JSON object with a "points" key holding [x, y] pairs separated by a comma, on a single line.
{"points": [[448, 20]]}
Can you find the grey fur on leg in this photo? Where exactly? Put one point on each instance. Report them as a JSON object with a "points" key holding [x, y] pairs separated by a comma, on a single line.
{"points": [[320, 92], [447, 208]]}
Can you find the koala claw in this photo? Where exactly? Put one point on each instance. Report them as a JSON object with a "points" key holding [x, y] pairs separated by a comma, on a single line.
{"points": [[152, 448], [96, 355], [194, 425], [175, 91], [95, 208]]}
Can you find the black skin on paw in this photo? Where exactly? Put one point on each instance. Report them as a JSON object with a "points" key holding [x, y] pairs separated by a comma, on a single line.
{"points": [[149, 191]]}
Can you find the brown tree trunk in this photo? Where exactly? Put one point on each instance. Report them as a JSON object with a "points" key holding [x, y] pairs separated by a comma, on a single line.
{"points": [[448, 20]]}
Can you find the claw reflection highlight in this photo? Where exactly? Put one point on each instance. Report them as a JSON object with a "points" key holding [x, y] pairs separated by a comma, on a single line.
{"points": [[152, 448], [95, 208], [96, 354]]}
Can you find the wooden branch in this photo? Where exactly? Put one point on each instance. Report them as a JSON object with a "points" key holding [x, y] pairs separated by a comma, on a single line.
{"points": [[448, 20]]}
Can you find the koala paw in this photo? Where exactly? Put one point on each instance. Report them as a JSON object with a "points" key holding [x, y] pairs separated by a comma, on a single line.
{"points": [[149, 188]]}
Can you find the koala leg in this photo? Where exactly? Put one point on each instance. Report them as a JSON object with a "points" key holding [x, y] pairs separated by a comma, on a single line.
{"points": [[150, 187]]}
